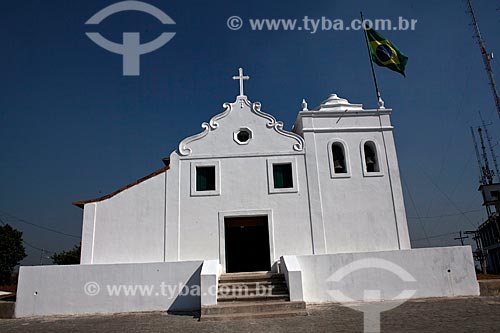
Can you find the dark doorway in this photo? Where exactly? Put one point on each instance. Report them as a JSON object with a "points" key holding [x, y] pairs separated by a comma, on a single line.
{"points": [[247, 244]]}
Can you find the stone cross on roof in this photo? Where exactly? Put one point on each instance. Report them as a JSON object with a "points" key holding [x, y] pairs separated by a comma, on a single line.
{"points": [[241, 78]]}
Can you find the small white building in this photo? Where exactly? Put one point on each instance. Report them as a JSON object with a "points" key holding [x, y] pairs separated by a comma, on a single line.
{"points": [[252, 196]]}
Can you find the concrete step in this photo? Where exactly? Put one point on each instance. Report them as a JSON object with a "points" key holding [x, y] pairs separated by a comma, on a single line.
{"points": [[252, 289], [250, 284], [241, 316], [7, 309], [252, 295], [253, 298], [251, 292], [227, 308], [489, 287], [251, 277]]}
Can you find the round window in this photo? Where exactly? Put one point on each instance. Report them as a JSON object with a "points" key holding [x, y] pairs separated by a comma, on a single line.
{"points": [[243, 136]]}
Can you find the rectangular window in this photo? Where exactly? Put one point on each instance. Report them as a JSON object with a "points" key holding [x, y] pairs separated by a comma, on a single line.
{"points": [[282, 175], [205, 178]]}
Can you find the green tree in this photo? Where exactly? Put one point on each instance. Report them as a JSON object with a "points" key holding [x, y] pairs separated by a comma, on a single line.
{"points": [[71, 257], [11, 252]]}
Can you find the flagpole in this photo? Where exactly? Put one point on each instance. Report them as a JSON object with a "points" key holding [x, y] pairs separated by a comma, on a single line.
{"points": [[380, 105], [377, 91]]}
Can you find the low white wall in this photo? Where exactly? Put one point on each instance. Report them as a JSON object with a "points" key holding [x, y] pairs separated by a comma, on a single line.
{"points": [[290, 267], [108, 288], [347, 277], [209, 279]]}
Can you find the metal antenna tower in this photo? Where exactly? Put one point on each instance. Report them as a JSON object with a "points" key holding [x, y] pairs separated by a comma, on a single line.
{"points": [[482, 178], [486, 58], [490, 146], [488, 173]]}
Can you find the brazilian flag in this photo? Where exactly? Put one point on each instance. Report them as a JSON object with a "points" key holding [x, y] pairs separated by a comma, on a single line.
{"points": [[384, 53]]}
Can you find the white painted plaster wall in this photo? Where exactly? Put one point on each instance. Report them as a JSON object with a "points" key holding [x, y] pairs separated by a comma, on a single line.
{"points": [[89, 220], [54, 290], [359, 211], [193, 222], [438, 272], [244, 195], [209, 279], [128, 227], [148, 223], [290, 268]]}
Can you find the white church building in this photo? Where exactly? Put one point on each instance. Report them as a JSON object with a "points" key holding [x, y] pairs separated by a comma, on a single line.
{"points": [[330, 186], [247, 195]]}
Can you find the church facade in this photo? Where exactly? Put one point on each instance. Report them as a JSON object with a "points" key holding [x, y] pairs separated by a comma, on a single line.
{"points": [[246, 192], [321, 205]]}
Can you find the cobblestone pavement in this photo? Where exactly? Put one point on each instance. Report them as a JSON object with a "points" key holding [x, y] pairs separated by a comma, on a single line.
{"points": [[471, 314]]}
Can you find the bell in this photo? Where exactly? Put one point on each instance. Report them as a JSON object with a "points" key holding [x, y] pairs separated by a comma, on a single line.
{"points": [[337, 164], [369, 160]]}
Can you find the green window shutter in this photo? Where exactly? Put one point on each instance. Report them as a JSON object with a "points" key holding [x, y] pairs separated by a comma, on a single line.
{"points": [[205, 178], [282, 175], [277, 176]]}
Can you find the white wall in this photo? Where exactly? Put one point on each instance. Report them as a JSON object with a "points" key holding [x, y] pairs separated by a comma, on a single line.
{"points": [[438, 272], [160, 219], [243, 193], [358, 211], [209, 282], [290, 268], [53, 290], [193, 222], [128, 227]]}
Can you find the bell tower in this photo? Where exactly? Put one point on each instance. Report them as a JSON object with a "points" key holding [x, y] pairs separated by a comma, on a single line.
{"points": [[356, 198]]}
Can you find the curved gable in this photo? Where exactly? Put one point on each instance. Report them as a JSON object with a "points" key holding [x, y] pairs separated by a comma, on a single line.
{"points": [[220, 134]]}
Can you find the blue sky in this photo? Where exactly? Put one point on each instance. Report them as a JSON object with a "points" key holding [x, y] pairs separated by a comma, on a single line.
{"points": [[72, 127]]}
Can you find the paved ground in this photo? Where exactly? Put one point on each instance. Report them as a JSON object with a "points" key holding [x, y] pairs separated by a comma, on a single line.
{"points": [[472, 314]]}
